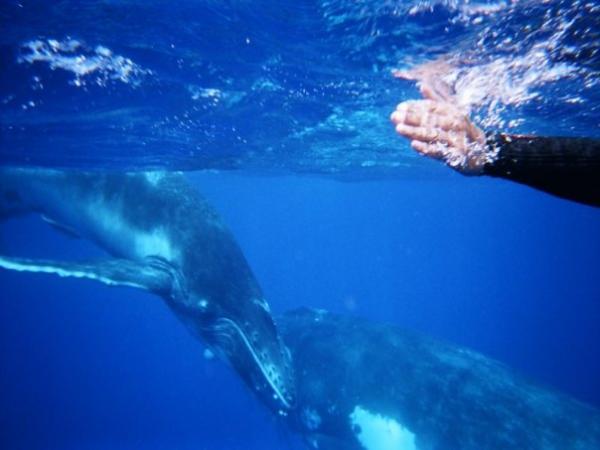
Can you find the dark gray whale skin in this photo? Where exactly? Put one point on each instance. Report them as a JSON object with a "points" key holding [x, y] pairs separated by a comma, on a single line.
{"points": [[164, 237], [449, 398], [421, 394]]}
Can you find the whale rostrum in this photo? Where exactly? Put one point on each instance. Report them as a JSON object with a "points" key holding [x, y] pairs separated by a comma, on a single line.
{"points": [[162, 236]]}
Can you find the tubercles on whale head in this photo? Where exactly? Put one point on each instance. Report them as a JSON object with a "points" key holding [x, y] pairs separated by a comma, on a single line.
{"points": [[244, 334], [261, 359]]}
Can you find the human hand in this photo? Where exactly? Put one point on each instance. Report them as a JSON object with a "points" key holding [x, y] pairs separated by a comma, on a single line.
{"points": [[436, 127], [430, 79]]}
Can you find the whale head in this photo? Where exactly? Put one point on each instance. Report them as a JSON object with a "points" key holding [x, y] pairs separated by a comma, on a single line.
{"points": [[261, 358], [247, 338]]}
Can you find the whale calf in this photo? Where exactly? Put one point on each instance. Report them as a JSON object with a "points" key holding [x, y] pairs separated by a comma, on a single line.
{"points": [[370, 386], [162, 236], [344, 383]]}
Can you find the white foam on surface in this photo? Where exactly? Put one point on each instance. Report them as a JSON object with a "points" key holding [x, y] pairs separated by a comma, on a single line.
{"points": [[198, 92], [378, 432], [506, 80], [99, 64]]}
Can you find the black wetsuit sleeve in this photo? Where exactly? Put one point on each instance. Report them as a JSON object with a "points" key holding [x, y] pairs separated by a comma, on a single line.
{"points": [[563, 166]]}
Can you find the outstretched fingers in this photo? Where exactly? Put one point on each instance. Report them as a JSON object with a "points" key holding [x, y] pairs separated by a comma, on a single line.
{"points": [[405, 74], [431, 150], [436, 125], [427, 113], [433, 119], [430, 135], [436, 89], [418, 133]]}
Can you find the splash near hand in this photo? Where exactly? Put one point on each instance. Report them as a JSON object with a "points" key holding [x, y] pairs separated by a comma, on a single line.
{"points": [[436, 127]]}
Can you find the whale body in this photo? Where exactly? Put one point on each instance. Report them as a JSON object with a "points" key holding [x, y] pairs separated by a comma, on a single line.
{"points": [[344, 383], [370, 386], [162, 236]]}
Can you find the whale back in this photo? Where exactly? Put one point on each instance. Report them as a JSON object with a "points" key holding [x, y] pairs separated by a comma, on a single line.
{"points": [[363, 385]]}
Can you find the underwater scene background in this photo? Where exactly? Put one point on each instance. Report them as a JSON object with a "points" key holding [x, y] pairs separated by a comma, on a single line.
{"points": [[279, 113]]}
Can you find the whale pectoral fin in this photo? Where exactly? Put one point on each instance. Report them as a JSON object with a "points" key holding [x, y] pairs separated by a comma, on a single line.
{"points": [[114, 272], [61, 228]]}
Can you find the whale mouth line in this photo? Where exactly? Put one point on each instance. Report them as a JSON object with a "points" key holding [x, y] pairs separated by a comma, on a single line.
{"points": [[256, 359]]}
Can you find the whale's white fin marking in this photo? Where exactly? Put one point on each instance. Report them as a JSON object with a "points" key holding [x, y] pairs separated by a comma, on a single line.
{"points": [[60, 227], [377, 432], [116, 272]]}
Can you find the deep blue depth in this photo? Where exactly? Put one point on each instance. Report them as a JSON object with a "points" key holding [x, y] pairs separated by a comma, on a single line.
{"points": [[331, 208], [88, 366]]}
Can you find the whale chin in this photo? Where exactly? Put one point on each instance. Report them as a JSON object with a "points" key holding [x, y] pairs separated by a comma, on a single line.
{"points": [[264, 365]]}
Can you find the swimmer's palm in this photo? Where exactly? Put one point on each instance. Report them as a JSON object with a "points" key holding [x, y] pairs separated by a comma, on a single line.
{"points": [[440, 130]]}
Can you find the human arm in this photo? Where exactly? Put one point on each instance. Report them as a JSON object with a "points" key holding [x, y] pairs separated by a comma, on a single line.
{"points": [[563, 166]]}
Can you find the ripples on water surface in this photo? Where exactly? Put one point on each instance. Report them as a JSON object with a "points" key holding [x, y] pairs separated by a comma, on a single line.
{"points": [[301, 86]]}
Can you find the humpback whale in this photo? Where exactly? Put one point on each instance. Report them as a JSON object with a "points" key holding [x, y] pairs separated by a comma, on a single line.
{"points": [[162, 236], [344, 383], [370, 386]]}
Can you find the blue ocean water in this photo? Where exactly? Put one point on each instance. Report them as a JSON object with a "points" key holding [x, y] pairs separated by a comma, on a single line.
{"points": [[287, 104]]}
